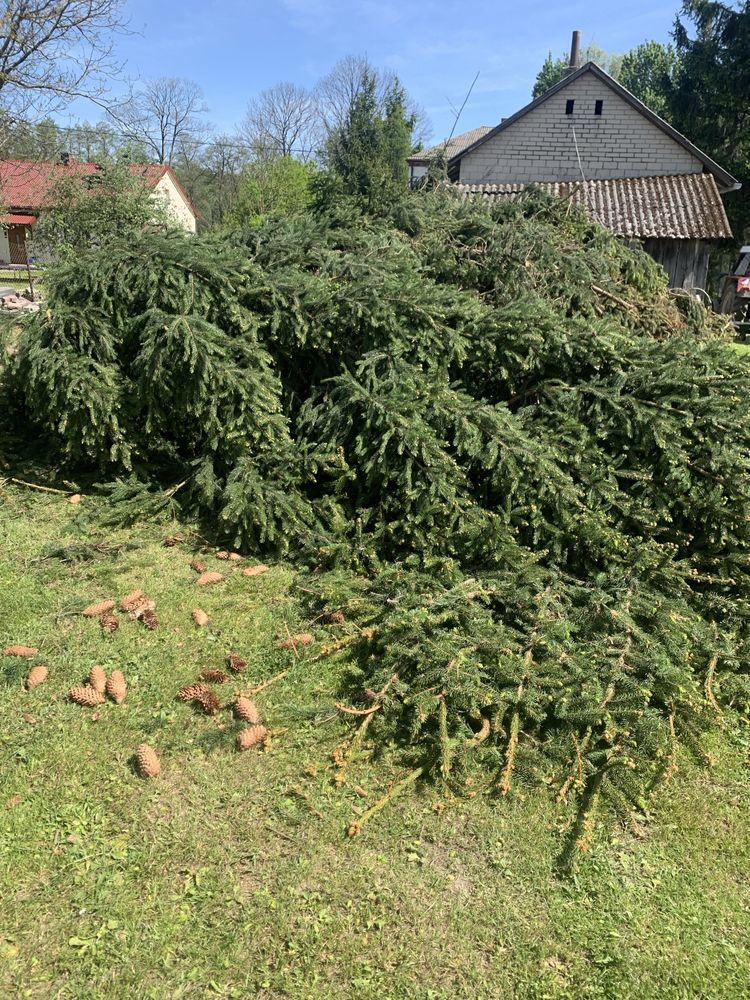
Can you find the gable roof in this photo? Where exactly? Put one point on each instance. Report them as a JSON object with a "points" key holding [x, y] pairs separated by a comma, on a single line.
{"points": [[725, 180], [678, 207], [452, 147], [28, 183]]}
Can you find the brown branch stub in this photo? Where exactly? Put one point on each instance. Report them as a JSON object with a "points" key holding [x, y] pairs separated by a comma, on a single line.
{"points": [[265, 684]]}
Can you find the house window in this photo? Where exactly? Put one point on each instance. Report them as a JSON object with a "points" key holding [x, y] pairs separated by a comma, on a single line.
{"points": [[598, 107], [569, 105]]}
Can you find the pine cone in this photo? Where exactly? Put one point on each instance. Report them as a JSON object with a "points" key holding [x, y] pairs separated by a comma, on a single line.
{"points": [[97, 678], [20, 651], [209, 702], [109, 622], [234, 557], [250, 737], [148, 762], [255, 570], [336, 617], [149, 619], [200, 617], [86, 696], [94, 610], [192, 691], [236, 664], [75, 498], [116, 687], [205, 578], [246, 710], [224, 555], [300, 639], [36, 676], [173, 540], [198, 565], [132, 600], [214, 676], [141, 608]]}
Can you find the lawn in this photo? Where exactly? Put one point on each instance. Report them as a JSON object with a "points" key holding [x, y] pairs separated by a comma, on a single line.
{"points": [[14, 279], [230, 874]]}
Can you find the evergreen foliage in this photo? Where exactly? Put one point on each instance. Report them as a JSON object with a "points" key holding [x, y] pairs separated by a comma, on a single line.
{"points": [[707, 102], [368, 151], [522, 463]]}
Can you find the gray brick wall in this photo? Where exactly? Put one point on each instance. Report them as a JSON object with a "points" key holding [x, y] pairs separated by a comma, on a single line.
{"points": [[541, 146]]}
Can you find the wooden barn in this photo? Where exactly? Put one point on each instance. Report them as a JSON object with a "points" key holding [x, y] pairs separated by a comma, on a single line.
{"points": [[590, 139]]}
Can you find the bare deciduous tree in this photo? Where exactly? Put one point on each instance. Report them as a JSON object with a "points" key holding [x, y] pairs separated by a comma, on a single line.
{"points": [[52, 51], [163, 117], [282, 121]]}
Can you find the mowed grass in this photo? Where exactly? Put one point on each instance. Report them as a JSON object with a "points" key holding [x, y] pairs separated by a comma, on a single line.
{"points": [[230, 875], [14, 279]]}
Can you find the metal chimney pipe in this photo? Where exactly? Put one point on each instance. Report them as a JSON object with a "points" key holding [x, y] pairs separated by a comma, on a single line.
{"points": [[575, 50]]}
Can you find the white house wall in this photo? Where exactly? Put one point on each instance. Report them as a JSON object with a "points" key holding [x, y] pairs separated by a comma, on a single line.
{"points": [[541, 145], [4, 246], [177, 207]]}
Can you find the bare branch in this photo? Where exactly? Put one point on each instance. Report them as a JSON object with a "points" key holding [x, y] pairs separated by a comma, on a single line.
{"points": [[53, 51], [164, 117], [282, 121]]}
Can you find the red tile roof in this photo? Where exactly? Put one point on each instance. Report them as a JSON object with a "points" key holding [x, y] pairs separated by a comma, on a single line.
{"points": [[26, 183], [18, 220]]}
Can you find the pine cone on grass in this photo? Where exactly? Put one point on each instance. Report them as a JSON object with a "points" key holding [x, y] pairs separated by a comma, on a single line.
{"points": [[205, 578], [214, 676], [94, 610], [223, 555], [255, 570], [192, 691], [198, 565], [143, 607], [109, 623], [208, 702], [149, 619], [20, 651], [148, 762], [246, 710], [300, 639], [116, 687], [87, 696], [236, 664], [97, 678], [200, 617], [250, 737], [132, 600], [36, 676]]}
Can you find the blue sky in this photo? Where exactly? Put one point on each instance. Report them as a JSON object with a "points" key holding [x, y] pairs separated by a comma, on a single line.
{"points": [[234, 48]]}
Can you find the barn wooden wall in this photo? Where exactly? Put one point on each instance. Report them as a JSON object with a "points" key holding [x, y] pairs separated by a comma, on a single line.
{"points": [[685, 261]]}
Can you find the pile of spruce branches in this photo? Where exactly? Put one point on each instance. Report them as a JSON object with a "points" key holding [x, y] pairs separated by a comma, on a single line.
{"points": [[521, 460]]}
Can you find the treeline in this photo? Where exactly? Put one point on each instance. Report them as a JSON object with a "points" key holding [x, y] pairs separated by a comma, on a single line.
{"points": [[358, 122]]}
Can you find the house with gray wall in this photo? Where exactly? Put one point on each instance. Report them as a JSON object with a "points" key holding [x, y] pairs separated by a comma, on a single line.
{"points": [[589, 139]]}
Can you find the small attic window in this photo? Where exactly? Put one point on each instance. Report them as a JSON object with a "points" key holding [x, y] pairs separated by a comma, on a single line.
{"points": [[569, 105], [598, 106]]}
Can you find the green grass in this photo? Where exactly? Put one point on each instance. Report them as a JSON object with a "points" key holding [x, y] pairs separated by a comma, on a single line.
{"points": [[230, 875], [13, 279]]}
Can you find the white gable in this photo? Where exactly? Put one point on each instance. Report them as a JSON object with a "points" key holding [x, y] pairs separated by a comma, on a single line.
{"points": [[545, 143], [177, 207]]}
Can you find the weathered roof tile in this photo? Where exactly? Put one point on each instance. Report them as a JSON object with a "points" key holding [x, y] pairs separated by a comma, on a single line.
{"points": [[681, 207]]}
